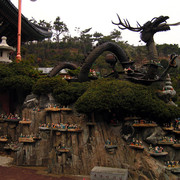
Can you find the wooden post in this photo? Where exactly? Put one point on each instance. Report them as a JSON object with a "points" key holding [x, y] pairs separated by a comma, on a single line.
{"points": [[18, 57]]}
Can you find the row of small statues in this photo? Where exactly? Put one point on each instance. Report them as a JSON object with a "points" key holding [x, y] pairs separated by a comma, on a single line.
{"points": [[9, 116], [13, 145], [172, 163], [36, 109], [47, 106], [136, 142], [168, 125], [108, 142], [24, 119], [3, 137], [30, 136], [156, 149], [176, 141], [61, 146], [175, 125], [55, 106], [60, 126], [167, 139], [143, 122], [26, 136]]}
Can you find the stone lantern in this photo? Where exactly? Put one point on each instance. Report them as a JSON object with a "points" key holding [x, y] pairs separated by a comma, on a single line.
{"points": [[5, 51]]}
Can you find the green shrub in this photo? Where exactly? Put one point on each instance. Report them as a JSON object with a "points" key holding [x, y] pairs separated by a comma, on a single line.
{"points": [[17, 76], [70, 93], [24, 69], [74, 72], [125, 97], [17, 82], [48, 84]]}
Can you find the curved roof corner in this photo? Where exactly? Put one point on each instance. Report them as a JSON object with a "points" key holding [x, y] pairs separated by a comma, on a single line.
{"points": [[9, 25]]}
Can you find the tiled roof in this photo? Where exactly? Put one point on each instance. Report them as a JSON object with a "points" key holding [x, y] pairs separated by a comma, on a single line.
{"points": [[9, 25]]}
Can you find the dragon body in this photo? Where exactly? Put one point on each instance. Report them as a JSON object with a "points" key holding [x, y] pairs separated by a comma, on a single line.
{"points": [[60, 66], [147, 32], [108, 46]]}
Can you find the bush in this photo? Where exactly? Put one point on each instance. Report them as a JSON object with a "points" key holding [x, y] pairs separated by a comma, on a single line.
{"points": [[70, 93], [5, 71], [48, 84], [17, 76], [126, 98], [24, 69], [17, 82], [74, 73]]}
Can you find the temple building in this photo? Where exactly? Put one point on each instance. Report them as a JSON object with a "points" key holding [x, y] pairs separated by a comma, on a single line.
{"points": [[9, 25], [8, 34]]}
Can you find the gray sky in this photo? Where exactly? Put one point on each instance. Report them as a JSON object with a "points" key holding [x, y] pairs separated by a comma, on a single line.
{"points": [[98, 14]]}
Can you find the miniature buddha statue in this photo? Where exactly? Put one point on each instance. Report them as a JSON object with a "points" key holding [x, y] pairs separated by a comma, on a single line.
{"points": [[133, 141], [63, 146], [156, 149], [108, 142], [168, 164], [137, 142], [172, 164]]}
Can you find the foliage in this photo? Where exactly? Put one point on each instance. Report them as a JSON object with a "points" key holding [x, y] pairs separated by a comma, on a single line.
{"points": [[17, 77], [164, 63], [125, 97], [5, 71], [46, 85], [17, 83], [85, 41], [59, 27], [69, 94], [48, 52], [24, 69], [167, 49], [74, 72]]}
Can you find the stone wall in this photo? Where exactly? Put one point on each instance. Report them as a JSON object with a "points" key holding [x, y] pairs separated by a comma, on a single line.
{"points": [[4, 102], [86, 148]]}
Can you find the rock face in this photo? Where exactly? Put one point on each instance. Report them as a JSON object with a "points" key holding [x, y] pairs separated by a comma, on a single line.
{"points": [[83, 150]]}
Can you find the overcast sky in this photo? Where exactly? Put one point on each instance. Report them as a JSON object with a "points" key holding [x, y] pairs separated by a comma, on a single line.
{"points": [[98, 14]]}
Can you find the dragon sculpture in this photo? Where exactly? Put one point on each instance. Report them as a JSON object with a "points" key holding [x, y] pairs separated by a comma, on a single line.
{"points": [[60, 66], [147, 32]]}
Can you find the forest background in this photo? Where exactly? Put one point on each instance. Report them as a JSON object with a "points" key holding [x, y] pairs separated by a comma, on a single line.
{"points": [[63, 47]]}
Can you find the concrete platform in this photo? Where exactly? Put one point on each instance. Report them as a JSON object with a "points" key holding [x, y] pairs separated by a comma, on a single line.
{"points": [[108, 173]]}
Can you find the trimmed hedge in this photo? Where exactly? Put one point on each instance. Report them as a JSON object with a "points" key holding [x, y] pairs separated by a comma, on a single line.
{"points": [[70, 93], [127, 98], [17, 77], [47, 85]]}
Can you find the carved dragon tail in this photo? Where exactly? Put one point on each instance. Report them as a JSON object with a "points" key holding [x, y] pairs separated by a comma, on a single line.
{"points": [[61, 66], [108, 46]]}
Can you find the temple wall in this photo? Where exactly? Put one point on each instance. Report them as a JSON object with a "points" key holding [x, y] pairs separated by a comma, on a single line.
{"points": [[4, 103]]}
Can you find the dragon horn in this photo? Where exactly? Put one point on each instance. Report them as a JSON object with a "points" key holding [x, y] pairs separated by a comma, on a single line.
{"points": [[175, 24]]}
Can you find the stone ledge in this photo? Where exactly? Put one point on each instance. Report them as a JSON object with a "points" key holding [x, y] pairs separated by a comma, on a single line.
{"points": [[101, 173]]}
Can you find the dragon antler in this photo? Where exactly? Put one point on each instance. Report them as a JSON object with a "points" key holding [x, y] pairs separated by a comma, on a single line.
{"points": [[174, 24], [126, 25]]}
